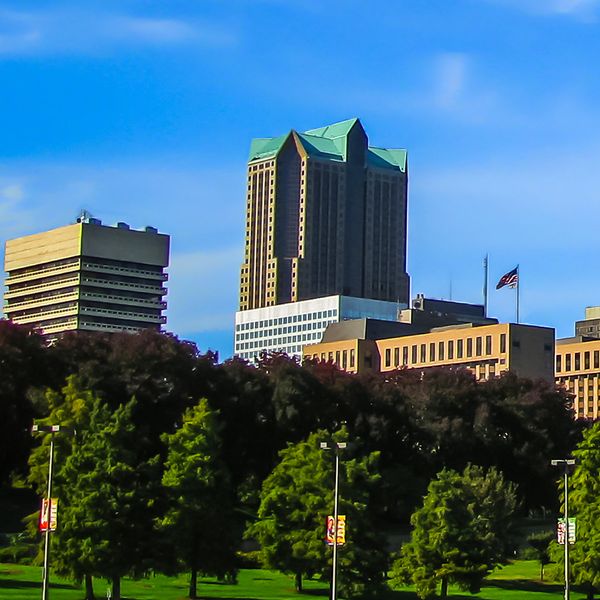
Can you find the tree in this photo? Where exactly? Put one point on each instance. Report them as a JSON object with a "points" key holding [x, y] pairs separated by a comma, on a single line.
{"points": [[112, 498], [71, 409], [295, 500], [23, 364], [584, 505], [460, 534], [200, 519], [539, 542]]}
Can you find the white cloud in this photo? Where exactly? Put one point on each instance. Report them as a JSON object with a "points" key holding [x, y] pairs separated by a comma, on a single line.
{"points": [[74, 31], [450, 80]]}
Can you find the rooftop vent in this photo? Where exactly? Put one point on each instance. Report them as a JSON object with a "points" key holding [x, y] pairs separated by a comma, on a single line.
{"points": [[151, 229], [122, 225]]}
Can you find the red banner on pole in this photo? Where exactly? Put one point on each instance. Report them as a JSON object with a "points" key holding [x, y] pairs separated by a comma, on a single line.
{"points": [[49, 514]]}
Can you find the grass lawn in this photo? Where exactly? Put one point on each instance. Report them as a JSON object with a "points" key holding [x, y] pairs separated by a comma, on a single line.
{"points": [[519, 581]]}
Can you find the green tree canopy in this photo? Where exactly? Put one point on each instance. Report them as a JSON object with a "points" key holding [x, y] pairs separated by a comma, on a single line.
{"points": [[200, 521], [460, 534], [295, 501], [24, 362], [584, 505], [109, 499]]}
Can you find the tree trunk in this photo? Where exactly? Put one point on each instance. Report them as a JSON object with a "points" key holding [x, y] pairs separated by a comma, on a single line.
{"points": [[444, 590], [193, 584], [298, 582], [116, 587], [590, 592], [541, 571], [89, 587]]}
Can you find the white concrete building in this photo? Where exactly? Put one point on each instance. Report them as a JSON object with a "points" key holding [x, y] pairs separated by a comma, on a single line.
{"points": [[289, 327]]}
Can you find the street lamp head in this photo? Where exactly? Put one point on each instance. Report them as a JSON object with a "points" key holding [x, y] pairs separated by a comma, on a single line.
{"points": [[324, 446], [562, 461]]}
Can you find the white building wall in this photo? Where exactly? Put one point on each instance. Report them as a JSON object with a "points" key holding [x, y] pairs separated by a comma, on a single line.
{"points": [[289, 327]]}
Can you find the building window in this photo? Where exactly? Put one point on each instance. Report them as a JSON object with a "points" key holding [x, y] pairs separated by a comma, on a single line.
{"points": [[405, 355], [478, 346], [351, 358], [423, 353], [502, 343], [469, 347], [413, 352], [396, 356], [586, 360], [577, 361], [567, 362], [432, 352], [596, 359], [450, 349], [459, 348], [344, 359], [388, 357], [558, 363], [488, 345], [441, 351], [337, 357]]}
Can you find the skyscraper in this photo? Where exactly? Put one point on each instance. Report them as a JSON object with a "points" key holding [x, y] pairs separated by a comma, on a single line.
{"points": [[325, 215], [87, 276]]}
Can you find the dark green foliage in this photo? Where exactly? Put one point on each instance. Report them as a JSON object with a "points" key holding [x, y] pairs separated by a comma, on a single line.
{"points": [[199, 522], [584, 505], [24, 363], [460, 534], [295, 501], [109, 492], [540, 543]]}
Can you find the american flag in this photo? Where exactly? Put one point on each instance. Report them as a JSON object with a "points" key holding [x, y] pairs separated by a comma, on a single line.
{"points": [[510, 279]]}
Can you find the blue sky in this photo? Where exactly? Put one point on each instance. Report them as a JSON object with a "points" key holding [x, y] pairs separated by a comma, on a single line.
{"points": [[143, 112]]}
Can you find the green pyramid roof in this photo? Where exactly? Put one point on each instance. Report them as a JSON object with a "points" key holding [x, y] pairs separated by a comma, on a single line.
{"points": [[330, 143], [335, 130]]}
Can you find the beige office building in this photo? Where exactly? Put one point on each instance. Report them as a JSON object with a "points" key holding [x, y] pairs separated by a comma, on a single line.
{"points": [[487, 350], [325, 215], [578, 370], [87, 276]]}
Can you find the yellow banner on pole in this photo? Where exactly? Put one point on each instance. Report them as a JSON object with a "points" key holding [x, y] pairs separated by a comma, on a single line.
{"points": [[341, 530]]}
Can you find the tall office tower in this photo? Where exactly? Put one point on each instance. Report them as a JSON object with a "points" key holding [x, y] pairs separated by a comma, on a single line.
{"points": [[87, 276], [325, 215]]}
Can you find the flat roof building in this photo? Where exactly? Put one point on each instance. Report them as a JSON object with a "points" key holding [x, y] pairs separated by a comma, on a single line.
{"points": [[578, 370], [590, 326], [289, 327], [487, 350], [87, 276]]}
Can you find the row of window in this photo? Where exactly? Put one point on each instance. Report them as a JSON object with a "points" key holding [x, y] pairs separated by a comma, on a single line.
{"points": [[322, 314], [572, 361], [292, 339], [346, 359], [441, 351], [289, 350]]}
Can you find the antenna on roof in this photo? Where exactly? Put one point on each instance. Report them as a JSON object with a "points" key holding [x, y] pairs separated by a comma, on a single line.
{"points": [[84, 216]]}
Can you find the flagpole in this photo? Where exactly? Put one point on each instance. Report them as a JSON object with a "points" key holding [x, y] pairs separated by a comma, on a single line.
{"points": [[518, 292], [485, 285]]}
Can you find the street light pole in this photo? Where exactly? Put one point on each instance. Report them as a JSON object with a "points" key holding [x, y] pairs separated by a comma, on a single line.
{"points": [[565, 464], [337, 446], [52, 430]]}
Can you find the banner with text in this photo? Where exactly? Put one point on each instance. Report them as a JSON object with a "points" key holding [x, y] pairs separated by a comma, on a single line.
{"points": [[49, 514], [330, 530]]}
